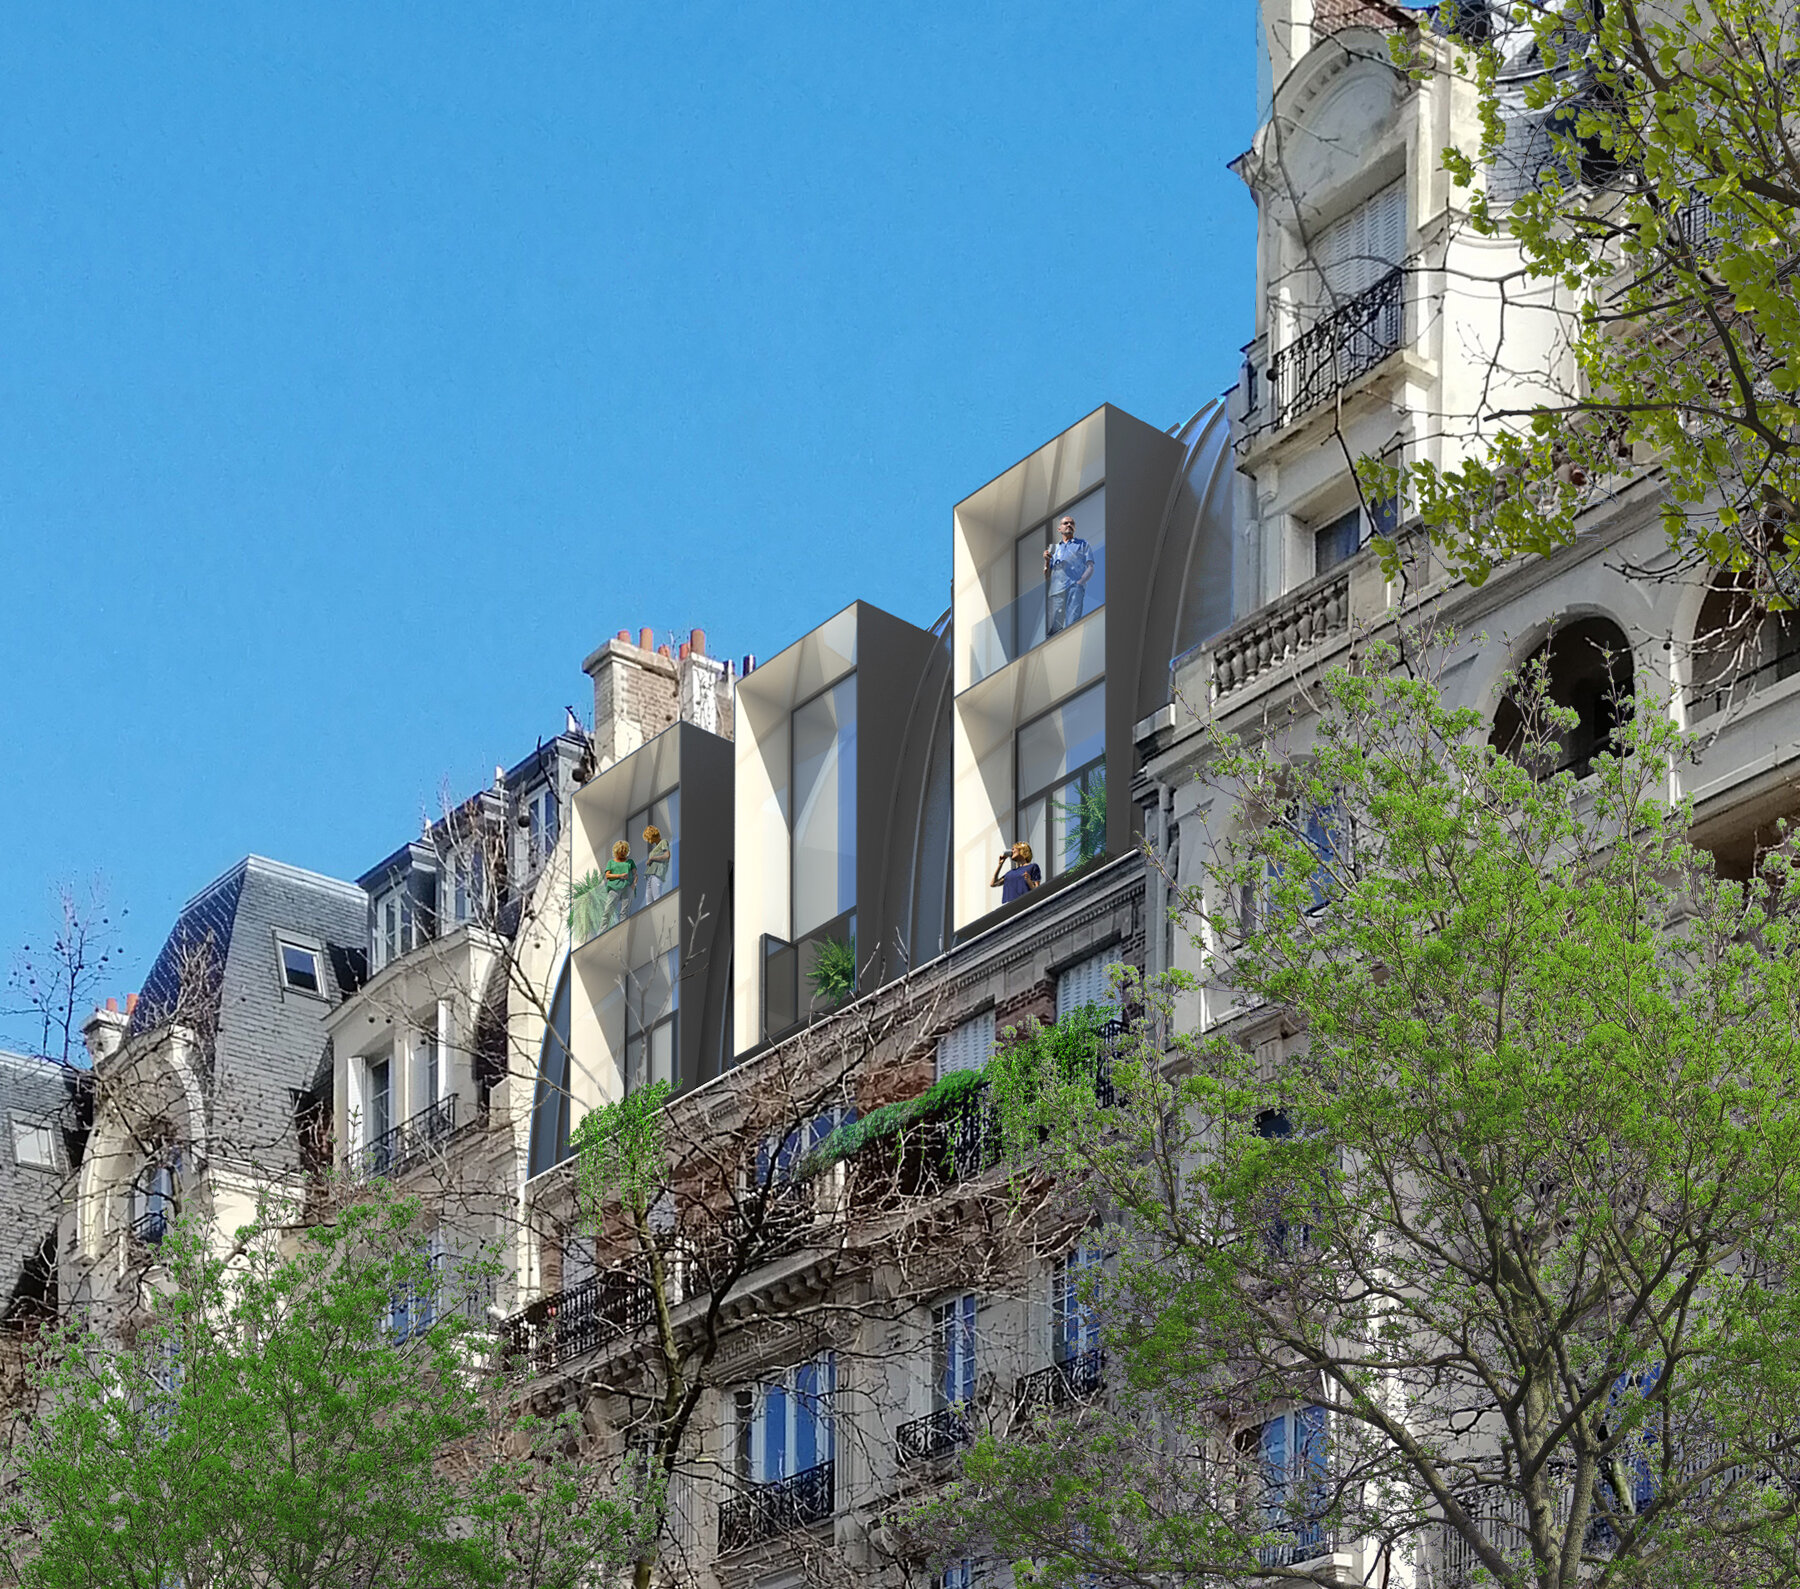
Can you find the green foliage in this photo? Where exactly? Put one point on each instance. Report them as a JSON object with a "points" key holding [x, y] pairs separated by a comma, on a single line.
{"points": [[621, 1153], [1518, 1210], [1664, 239], [587, 902], [893, 1119], [1043, 1076], [1084, 823], [833, 974], [267, 1426]]}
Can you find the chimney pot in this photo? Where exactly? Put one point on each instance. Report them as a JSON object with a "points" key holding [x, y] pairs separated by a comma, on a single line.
{"points": [[646, 639], [130, 1002], [683, 653], [663, 651], [112, 1006], [749, 665], [697, 640], [625, 636]]}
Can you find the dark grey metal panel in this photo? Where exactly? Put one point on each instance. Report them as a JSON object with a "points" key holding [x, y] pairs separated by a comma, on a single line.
{"points": [[708, 776], [1141, 467], [897, 666]]}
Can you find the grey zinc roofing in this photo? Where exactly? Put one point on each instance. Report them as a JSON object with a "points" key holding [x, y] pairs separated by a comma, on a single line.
{"points": [[270, 1037]]}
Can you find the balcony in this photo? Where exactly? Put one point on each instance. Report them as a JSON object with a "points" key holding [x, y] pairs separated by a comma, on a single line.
{"points": [[763, 1511], [744, 1238], [1300, 621], [1343, 346], [556, 1328], [809, 976], [151, 1227], [1026, 623], [1075, 1379], [935, 1435], [1299, 1540], [393, 1151]]}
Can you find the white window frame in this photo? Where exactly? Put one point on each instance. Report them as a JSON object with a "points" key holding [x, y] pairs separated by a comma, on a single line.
{"points": [[955, 1350], [27, 1127], [286, 941], [748, 1459]]}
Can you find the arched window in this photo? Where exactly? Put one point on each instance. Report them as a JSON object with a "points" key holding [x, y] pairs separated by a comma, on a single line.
{"points": [[1587, 668], [550, 1105], [1739, 646]]}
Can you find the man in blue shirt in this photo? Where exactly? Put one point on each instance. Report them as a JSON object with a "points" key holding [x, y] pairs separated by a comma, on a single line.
{"points": [[1069, 565]]}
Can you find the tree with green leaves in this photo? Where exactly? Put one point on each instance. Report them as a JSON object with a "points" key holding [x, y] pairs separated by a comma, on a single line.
{"points": [[1490, 1272], [1664, 214], [314, 1409]]}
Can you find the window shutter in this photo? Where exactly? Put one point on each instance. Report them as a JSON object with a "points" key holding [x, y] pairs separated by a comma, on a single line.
{"points": [[968, 1046], [1357, 250], [1083, 984]]}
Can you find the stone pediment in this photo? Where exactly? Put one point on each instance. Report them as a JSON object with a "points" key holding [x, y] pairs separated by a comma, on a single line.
{"points": [[1331, 112]]}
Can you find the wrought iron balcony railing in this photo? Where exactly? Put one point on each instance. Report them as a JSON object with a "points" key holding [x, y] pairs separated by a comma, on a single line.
{"points": [[556, 1328], [764, 1510], [1345, 344], [747, 1236], [935, 1435], [1302, 1539], [151, 1227], [1074, 1379], [393, 1150]]}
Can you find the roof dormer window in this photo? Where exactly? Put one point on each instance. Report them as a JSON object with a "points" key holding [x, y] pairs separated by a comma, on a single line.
{"points": [[300, 968]]}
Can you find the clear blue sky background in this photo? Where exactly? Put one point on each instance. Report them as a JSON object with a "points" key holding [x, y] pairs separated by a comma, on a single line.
{"points": [[363, 366]]}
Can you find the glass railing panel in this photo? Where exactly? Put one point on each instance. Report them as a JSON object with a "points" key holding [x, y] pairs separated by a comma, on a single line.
{"points": [[810, 976], [1027, 622]]}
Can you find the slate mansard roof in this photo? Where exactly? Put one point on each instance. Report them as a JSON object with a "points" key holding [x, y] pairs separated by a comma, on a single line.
{"points": [[269, 1037], [34, 1092]]}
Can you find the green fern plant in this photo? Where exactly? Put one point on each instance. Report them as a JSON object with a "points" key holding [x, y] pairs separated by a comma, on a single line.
{"points": [[585, 907], [833, 974], [1084, 836]]}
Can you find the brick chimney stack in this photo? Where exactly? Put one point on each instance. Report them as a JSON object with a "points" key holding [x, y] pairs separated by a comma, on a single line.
{"points": [[641, 688], [705, 688], [104, 1031]]}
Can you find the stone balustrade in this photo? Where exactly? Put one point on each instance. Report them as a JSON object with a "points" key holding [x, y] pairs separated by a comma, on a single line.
{"points": [[1304, 618]]}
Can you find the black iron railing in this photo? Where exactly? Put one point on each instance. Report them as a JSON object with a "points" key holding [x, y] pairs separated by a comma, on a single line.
{"points": [[937, 1434], [1347, 343], [152, 1226], [1074, 1379], [556, 1328], [1302, 1539], [393, 1150], [764, 1510], [748, 1234]]}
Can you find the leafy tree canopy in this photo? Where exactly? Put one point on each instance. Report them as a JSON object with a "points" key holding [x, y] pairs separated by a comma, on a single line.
{"points": [[306, 1416], [1667, 224], [1493, 1266]]}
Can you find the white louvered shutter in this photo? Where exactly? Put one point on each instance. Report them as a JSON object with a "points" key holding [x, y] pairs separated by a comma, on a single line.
{"points": [[1083, 984], [968, 1046], [1357, 251]]}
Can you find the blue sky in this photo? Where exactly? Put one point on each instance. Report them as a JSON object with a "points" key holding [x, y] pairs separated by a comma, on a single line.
{"points": [[366, 365]]}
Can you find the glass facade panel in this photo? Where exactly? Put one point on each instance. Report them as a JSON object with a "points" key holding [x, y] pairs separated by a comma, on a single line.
{"points": [[550, 1109], [1062, 741], [1049, 593], [652, 999], [824, 807], [659, 858]]}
